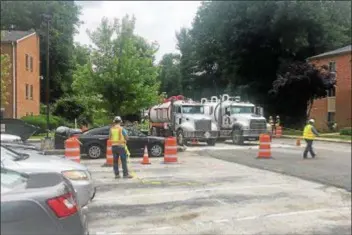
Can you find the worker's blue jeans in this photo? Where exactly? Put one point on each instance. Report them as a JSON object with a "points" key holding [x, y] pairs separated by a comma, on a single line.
{"points": [[118, 151], [309, 148]]}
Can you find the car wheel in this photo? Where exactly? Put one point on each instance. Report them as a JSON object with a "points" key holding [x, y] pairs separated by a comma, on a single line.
{"points": [[95, 151], [156, 150]]}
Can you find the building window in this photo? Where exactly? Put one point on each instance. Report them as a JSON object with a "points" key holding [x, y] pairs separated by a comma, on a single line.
{"points": [[27, 62], [332, 92], [332, 66], [27, 91], [31, 63], [31, 92]]}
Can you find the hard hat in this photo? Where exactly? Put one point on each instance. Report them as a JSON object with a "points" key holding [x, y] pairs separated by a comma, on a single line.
{"points": [[277, 116], [117, 119], [311, 120]]}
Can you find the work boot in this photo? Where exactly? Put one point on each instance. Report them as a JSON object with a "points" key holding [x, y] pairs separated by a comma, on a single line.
{"points": [[117, 176], [128, 176]]}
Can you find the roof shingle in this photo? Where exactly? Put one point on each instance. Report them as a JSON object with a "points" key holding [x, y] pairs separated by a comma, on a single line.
{"points": [[13, 36], [334, 52]]}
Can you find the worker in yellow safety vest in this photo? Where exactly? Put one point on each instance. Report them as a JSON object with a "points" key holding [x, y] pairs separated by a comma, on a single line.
{"points": [[118, 137], [309, 134], [272, 124]]}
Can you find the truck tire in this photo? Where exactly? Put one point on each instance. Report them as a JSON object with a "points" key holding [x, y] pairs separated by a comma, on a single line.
{"points": [[180, 138], [237, 137], [211, 142]]}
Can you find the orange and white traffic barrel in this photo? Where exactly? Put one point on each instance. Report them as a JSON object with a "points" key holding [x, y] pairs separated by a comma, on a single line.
{"points": [[278, 131], [170, 150], [73, 149], [264, 147], [109, 155]]}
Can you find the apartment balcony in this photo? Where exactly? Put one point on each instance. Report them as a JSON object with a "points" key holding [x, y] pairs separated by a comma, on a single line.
{"points": [[331, 104]]}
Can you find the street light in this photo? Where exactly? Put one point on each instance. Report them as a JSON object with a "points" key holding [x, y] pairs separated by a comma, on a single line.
{"points": [[47, 19]]}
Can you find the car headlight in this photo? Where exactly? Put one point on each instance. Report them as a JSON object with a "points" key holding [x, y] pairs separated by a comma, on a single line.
{"points": [[76, 175]]}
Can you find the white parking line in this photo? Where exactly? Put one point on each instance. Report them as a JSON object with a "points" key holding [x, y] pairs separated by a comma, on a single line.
{"points": [[113, 199]]}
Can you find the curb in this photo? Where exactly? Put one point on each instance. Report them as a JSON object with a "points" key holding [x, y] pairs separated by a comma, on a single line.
{"points": [[318, 139]]}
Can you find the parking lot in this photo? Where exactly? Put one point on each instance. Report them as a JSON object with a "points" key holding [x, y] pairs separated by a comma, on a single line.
{"points": [[205, 195]]}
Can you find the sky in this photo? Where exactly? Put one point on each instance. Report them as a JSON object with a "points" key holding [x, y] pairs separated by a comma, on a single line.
{"points": [[155, 20]]}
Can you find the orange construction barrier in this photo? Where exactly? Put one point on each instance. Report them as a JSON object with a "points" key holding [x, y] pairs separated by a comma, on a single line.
{"points": [[109, 155], [278, 131], [145, 160], [170, 155], [264, 146], [298, 141], [194, 141], [73, 149]]}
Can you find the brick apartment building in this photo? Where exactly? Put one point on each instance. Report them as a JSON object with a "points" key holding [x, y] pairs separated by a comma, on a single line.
{"points": [[22, 48], [337, 106]]}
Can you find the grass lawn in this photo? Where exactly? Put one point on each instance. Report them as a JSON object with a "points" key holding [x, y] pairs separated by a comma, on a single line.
{"points": [[41, 136], [322, 135]]}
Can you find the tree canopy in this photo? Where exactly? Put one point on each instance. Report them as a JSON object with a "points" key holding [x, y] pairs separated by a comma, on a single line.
{"points": [[27, 15], [120, 69], [239, 46]]}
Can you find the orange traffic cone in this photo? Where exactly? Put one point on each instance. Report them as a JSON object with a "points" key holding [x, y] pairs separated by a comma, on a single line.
{"points": [[298, 141], [145, 160]]}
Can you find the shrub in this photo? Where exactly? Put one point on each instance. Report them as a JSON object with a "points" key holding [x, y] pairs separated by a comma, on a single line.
{"points": [[70, 108], [346, 131], [40, 121]]}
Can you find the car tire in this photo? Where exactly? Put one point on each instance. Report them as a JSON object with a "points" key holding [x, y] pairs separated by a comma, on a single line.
{"points": [[95, 151], [156, 150]]}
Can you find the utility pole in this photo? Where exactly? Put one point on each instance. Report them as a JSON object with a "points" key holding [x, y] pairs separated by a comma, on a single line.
{"points": [[47, 93]]}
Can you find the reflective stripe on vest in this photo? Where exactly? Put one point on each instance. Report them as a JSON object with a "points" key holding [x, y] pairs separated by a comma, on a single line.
{"points": [[308, 133], [117, 137]]}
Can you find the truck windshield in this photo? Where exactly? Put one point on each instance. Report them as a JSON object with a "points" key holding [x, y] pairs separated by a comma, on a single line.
{"points": [[193, 109], [241, 109]]}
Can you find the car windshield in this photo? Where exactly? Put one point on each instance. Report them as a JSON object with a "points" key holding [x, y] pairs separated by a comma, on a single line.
{"points": [[241, 109], [193, 109], [13, 155], [134, 132]]}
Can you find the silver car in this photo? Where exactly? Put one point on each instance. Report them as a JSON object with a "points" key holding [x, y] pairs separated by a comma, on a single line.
{"points": [[39, 203], [30, 160]]}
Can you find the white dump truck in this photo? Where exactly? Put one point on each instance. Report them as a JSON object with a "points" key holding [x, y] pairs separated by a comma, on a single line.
{"points": [[236, 120], [184, 119]]}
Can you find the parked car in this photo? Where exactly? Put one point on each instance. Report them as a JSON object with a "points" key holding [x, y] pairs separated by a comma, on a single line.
{"points": [[30, 161], [94, 142], [39, 203]]}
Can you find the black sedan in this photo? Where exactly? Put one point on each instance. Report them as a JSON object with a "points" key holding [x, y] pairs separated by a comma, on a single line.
{"points": [[94, 143]]}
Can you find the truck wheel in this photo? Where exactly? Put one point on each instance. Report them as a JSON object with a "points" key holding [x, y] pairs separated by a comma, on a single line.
{"points": [[180, 138], [211, 142], [237, 137]]}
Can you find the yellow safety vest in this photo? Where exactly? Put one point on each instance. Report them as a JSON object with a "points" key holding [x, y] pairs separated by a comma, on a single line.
{"points": [[117, 137], [308, 133]]}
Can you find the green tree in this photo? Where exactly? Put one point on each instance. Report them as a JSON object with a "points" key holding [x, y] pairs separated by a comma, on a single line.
{"points": [[170, 76], [27, 15], [243, 43], [124, 73], [5, 80]]}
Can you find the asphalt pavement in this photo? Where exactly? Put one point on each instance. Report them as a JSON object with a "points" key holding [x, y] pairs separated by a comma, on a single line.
{"points": [[332, 166], [204, 195]]}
